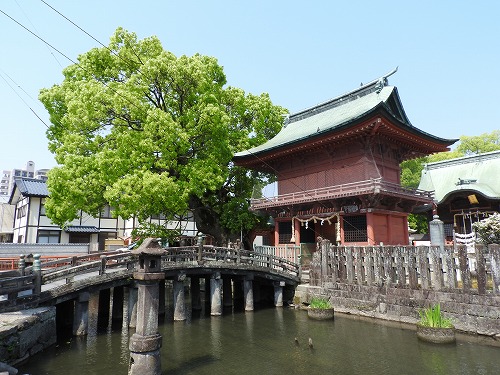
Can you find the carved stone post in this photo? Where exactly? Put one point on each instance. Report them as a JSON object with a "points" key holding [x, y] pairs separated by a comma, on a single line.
{"points": [[146, 342], [37, 272], [436, 232], [22, 264]]}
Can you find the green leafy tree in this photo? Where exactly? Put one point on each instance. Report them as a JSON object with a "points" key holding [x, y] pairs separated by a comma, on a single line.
{"points": [[146, 132], [418, 222], [411, 171], [479, 144]]}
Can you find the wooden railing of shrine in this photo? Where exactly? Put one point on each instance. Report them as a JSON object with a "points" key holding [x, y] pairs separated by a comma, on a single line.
{"points": [[413, 267], [289, 252], [373, 186]]}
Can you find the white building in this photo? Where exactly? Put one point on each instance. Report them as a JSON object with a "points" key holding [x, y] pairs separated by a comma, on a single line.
{"points": [[6, 222], [31, 225]]}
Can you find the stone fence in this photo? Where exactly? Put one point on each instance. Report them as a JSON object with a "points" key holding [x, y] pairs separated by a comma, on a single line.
{"points": [[394, 282]]}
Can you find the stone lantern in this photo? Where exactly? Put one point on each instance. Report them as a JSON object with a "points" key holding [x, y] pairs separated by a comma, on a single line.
{"points": [[145, 343]]}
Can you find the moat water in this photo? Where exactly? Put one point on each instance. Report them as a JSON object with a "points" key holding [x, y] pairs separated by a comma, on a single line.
{"points": [[271, 341]]}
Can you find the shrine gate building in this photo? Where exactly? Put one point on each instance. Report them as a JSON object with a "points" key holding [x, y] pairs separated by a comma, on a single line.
{"points": [[338, 173]]}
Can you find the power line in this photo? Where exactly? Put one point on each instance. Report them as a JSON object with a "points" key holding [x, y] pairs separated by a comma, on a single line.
{"points": [[98, 41], [74, 62], [38, 37], [50, 51], [24, 101]]}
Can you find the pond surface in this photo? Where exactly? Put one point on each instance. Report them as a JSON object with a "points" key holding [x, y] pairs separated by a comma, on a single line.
{"points": [[272, 341]]}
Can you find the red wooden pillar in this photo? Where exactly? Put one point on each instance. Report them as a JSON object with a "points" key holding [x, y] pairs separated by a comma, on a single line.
{"points": [[341, 226], [276, 233], [405, 228], [389, 220], [370, 233], [296, 229]]}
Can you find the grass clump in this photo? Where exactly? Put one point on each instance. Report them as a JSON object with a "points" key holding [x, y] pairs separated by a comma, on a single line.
{"points": [[320, 303], [432, 317]]}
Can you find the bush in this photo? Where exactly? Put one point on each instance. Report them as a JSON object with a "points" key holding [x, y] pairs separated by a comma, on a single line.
{"points": [[488, 230], [320, 303], [432, 317]]}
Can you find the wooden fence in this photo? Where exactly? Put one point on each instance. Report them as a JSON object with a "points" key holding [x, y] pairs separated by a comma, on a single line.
{"points": [[413, 267]]}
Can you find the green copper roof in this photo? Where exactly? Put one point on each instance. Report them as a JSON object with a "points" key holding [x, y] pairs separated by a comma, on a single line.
{"points": [[478, 173], [339, 112]]}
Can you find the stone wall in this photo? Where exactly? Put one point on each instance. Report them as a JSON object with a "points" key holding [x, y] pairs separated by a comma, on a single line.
{"points": [[395, 282], [25, 333]]}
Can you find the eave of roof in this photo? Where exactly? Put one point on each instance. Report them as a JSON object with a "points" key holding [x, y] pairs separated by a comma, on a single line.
{"points": [[81, 229], [474, 174], [29, 187]]}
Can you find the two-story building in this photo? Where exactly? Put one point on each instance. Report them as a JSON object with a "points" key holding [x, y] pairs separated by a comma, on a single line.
{"points": [[338, 169], [31, 225]]}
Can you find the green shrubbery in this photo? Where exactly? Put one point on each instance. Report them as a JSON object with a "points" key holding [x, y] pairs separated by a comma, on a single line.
{"points": [[320, 303], [432, 317]]}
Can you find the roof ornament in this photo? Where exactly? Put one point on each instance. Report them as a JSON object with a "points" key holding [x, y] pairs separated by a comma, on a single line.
{"points": [[382, 81], [286, 121]]}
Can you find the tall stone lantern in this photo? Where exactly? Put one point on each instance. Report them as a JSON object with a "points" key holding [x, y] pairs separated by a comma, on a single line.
{"points": [[145, 343]]}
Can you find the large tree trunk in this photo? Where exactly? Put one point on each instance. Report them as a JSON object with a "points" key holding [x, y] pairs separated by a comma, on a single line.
{"points": [[207, 221]]}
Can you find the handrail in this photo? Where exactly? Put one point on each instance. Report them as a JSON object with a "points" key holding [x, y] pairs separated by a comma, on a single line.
{"points": [[353, 188], [29, 280]]}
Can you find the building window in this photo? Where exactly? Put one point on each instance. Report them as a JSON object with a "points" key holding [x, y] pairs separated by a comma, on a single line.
{"points": [[48, 236], [107, 212], [355, 228], [42, 208], [21, 211], [285, 231], [158, 217]]}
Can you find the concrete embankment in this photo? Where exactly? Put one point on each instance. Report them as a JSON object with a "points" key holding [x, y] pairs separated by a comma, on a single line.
{"points": [[471, 314]]}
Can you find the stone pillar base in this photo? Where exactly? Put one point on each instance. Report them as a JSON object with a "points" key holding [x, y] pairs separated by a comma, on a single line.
{"points": [[145, 357]]}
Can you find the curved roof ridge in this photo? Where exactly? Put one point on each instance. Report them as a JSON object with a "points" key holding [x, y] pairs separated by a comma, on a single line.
{"points": [[368, 88], [460, 160]]}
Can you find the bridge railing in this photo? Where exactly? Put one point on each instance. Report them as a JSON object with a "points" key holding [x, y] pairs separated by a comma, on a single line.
{"points": [[27, 281], [228, 255]]}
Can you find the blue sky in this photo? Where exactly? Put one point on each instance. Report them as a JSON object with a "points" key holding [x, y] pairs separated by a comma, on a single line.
{"points": [[301, 53]]}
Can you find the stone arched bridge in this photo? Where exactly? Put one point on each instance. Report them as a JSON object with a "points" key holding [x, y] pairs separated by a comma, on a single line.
{"points": [[49, 283]]}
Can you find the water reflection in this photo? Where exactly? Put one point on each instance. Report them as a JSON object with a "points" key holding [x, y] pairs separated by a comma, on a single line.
{"points": [[263, 342]]}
